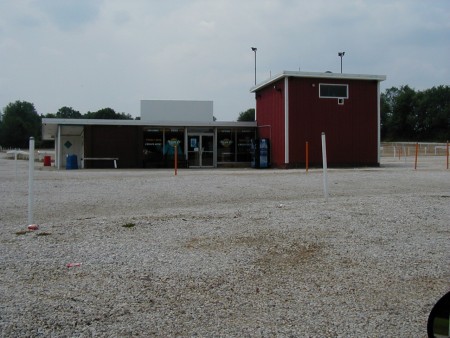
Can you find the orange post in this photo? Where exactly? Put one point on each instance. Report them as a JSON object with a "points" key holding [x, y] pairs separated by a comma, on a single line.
{"points": [[417, 152], [307, 156], [176, 159]]}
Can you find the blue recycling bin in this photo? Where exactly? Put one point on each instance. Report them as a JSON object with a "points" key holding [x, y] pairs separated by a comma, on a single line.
{"points": [[71, 162]]}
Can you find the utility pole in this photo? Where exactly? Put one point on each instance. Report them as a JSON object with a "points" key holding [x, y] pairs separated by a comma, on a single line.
{"points": [[341, 54], [255, 49]]}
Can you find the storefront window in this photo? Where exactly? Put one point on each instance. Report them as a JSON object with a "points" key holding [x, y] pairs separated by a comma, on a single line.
{"points": [[159, 147], [231, 145], [244, 144], [173, 137], [153, 148], [226, 145]]}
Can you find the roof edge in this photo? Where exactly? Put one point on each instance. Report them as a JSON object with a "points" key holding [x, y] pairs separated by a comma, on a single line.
{"points": [[319, 75], [142, 123]]}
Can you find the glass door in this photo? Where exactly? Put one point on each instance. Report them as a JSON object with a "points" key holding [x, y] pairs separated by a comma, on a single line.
{"points": [[201, 150], [207, 153]]}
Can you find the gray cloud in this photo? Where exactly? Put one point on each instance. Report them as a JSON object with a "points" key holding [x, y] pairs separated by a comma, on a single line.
{"points": [[93, 54], [69, 14]]}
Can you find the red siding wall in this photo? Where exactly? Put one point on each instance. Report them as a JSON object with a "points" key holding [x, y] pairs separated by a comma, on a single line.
{"points": [[270, 119], [351, 129]]}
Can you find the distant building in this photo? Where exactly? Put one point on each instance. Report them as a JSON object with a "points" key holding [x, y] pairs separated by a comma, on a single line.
{"points": [[150, 142], [292, 108]]}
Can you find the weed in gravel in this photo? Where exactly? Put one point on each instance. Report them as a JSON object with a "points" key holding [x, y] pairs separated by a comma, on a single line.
{"points": [[43, 234], [129, 225]]}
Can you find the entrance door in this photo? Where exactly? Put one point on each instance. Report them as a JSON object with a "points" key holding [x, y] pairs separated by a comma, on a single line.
{"points": [[201, 150]]}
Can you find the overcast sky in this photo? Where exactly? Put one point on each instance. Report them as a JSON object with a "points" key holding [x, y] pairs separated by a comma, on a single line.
{"points": [[92, 54]]}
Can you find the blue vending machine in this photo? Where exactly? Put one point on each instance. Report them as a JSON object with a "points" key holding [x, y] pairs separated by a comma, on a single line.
{"points": [[260, 153], [264, 153]]}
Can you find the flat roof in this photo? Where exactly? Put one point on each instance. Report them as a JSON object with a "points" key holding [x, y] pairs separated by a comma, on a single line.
{"points": [[50, 125], [318, 75]]}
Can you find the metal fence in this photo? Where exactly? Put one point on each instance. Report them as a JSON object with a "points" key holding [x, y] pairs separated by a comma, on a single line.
{"points": [[402, 149]]}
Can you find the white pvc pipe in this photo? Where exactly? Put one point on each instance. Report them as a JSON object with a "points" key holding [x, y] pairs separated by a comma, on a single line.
{"points": [[15, 161], [30, 181], [324, 161]]}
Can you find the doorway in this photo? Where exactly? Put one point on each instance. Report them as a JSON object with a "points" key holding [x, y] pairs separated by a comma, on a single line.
{"points": [[201, 150]]}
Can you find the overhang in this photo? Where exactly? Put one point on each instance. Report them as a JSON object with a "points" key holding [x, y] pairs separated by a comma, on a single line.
{"points": [[75, 126]]}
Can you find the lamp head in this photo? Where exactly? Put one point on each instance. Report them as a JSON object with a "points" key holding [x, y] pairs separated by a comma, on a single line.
{"points": [[254, 49]]}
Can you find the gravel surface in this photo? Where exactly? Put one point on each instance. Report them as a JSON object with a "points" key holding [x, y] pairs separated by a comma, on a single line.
{"points": [[229, 253]]}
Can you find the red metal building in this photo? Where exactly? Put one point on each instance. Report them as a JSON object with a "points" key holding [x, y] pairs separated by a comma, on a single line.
{"points": [[293, 108]]}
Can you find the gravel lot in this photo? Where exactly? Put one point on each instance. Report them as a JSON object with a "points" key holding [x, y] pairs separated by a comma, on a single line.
{"points": [[229, 253]]}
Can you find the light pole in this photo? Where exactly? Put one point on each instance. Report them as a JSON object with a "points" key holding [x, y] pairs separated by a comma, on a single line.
{"points": [[255, 49], [341, 54]]}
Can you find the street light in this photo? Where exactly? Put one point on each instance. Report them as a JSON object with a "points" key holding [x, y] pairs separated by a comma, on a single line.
{"points": [[341, 54], [255, 49]]}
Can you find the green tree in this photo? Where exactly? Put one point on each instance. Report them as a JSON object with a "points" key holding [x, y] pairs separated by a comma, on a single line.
{"points": [[248, 115], [124, 116], [403, 120], [387, 111], [433, 114], [409, 115], [108, 114], [20, 121], [68, 113], [398, 117]]}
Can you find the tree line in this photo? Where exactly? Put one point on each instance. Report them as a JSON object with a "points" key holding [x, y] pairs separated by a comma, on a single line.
{"points": [[410, 115], [406, 115]]}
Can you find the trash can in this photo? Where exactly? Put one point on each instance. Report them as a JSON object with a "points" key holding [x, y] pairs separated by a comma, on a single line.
{"points": [[71, 162], [47, 161]]}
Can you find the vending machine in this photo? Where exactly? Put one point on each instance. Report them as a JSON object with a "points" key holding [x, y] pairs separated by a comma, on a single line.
{"points": [[260, 153]]}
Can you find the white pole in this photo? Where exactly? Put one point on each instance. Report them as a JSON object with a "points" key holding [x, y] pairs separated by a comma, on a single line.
{"points": [[30, 181], [324, 160], [15, 161]]}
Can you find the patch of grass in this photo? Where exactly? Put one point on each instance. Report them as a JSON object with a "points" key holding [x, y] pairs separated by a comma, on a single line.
{"points": [[43, 234], [440, 326], [128, 225]]}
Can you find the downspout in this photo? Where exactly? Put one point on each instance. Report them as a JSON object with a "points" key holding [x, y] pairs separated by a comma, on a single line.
{"points": [[58, 150], [215, 148], [378, 123], [286, 120], [186, 144]]}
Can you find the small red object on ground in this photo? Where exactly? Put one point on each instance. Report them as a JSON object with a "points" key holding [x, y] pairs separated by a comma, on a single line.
{"points": [[69, 265], [33, 227]]}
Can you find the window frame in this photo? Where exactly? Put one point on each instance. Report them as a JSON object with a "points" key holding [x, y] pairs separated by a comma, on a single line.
{"points": [[335, 96]]}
